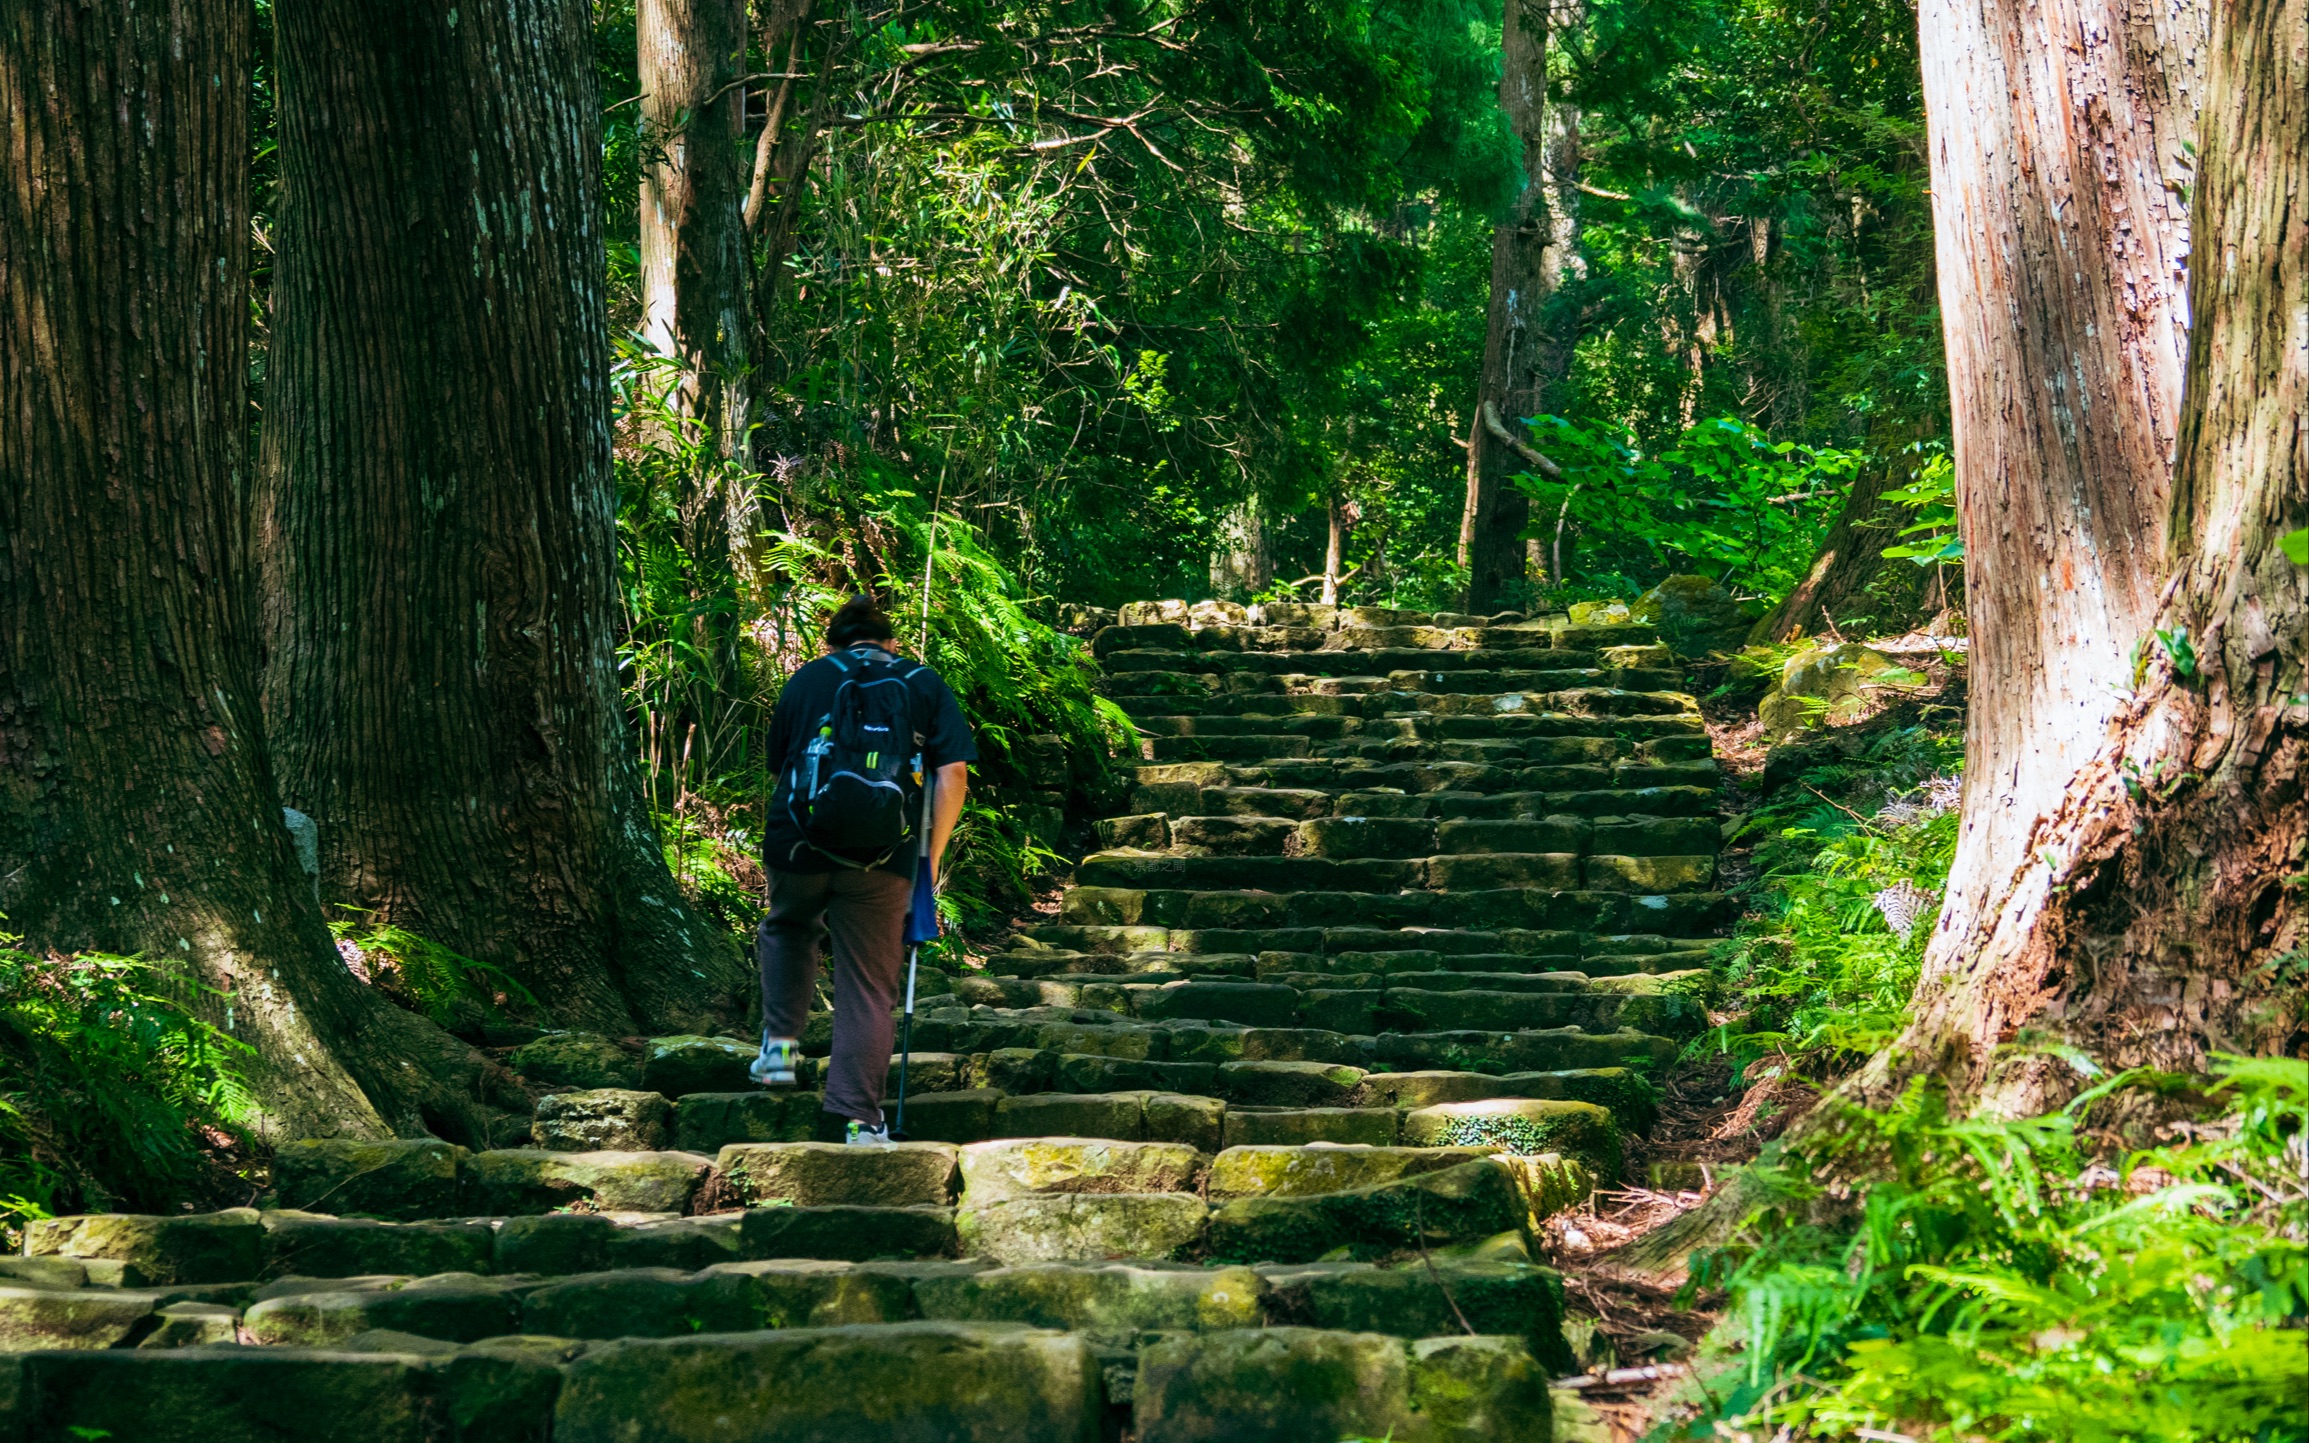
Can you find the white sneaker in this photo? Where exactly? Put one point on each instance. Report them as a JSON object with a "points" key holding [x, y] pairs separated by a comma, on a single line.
{"points": [[866, 1134], [775, 1066]]}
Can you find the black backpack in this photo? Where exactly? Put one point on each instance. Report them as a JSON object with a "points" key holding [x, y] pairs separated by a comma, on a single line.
{"points": [[853, 787]]}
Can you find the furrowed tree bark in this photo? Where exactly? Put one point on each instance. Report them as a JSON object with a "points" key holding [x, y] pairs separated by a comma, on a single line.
{"points": [[439, 509], [1525, 349], [138, 812], [2059, 137], [2152, 912]]}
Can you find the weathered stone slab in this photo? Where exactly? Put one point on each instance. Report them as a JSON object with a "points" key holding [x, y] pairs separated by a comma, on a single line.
{"points": [[605, 1118], [1113, 1298], [817, 1293], [1304, 1171], [455, 1309], [264, 1395], [531, 1180], [1283, 1385], [1528, 1125], [849, 1234], [900, 1383], [992, 1171], [639, 1303], [1410, 1301], [1302, 1126], [1072, 1227], [1289, 1084], [306, 1245], [706, 1122], [135, 1249], [575, 1059], [817, 1174], [1472, 1200], [390, 1178], [38, 1317], [679, 1066]]}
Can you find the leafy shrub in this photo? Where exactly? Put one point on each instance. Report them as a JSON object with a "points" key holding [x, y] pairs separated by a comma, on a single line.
{"points": [[1724, 501], [1830, 955], [1993, 1280], [112, 1093]]}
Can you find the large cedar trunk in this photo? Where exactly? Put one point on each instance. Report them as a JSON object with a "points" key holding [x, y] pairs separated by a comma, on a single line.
{"points": [[1525, 348], [2059, 138], [138, 812], [2145, 911], [439, 508], [692, 58]]}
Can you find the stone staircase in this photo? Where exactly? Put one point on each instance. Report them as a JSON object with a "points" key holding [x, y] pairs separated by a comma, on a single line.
{"points": [[1250, 1143]]}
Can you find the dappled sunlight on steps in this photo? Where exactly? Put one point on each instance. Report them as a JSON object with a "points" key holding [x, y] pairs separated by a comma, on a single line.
{"points": [[1250, 1142]]}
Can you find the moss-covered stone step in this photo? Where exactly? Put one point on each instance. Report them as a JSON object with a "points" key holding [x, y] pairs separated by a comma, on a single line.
{"points": [[1677, 736], [1360, 1004], [1505, 711], [1529, 908], [1418, 968], [1073, 941], [1379, 651], [1446, 791], [1351, 835], [1111, 1302], [287, 1244], [1090, 1096], [1078, 1030], [910, 1382], [902, 1381], [1043, 985]]}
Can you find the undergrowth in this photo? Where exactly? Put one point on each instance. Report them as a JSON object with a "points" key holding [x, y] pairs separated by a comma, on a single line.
{"points": [[423, 976], [2011, 1278], [1853, 858], [1976, 1278], [113, 1093]]}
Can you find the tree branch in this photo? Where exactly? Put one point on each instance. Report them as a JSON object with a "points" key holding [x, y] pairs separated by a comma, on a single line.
{"points": [[1512, 442]]}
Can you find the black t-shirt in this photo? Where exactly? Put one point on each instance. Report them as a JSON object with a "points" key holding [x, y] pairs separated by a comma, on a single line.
{"points": [[809, 695]]}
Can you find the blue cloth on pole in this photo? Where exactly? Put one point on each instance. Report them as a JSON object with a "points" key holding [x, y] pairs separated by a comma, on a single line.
{"points": [[922, 916]]}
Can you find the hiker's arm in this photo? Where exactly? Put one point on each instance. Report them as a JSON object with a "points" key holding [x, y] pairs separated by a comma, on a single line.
{"points": [[953, 779]]}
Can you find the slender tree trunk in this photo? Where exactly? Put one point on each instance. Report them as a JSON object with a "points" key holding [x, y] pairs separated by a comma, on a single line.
{"points": [[1526, 344], [692, 58], [1334, 550], [439, 508], [694, 261], [138, 812], [2145, 910], [2060, 140]]}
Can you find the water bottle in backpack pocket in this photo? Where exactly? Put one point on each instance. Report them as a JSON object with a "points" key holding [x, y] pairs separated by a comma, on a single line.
{"points": [[849, 790]]}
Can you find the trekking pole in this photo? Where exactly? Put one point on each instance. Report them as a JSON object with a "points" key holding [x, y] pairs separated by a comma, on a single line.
{"points": [[921, 927]]}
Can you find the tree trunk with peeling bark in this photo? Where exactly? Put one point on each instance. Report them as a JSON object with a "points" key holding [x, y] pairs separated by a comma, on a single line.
{"points": [[1527, 343], [439, 509], [2142, 904], [138, 811]]}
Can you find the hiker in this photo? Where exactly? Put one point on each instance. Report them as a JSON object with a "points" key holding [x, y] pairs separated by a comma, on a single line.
{"points": [[857, 734]]}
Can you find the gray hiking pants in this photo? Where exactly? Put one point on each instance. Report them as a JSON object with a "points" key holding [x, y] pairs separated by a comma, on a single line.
{"points": [[866, 913]]}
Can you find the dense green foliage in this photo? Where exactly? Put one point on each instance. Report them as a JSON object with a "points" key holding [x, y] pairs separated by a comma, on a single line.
{"points": [[1853, 847], [1945, 1278], [113, 1094], [2022, 1278]]}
